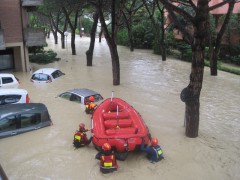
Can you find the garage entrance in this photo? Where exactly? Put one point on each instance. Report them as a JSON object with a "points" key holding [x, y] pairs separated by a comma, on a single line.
{"points": [[6, 59]]}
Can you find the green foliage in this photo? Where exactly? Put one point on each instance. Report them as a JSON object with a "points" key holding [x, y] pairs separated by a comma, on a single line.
{"points": [[122, 37], [35, 49], [44, 57], [141, 37], [230, 70], [224, 68], [185, 50], [230, 54], [87, 25]]}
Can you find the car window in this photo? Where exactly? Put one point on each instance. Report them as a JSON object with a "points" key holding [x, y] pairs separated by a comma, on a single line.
{"points": [[41, 77], [66, 95], [75, 98], [8, 124], [9, 99], [97, 97], [57, 74], [30, 119], [6, 80]]}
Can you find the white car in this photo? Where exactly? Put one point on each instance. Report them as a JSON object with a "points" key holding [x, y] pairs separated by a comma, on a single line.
{"points": [[46, 75], [8, 81], [13, 96]]}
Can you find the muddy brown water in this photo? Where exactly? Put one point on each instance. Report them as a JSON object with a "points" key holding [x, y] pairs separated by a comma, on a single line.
{"points": [[152, 87]]}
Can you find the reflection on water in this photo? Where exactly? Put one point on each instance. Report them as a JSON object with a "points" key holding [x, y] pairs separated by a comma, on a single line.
{"points": [[153, 88]]}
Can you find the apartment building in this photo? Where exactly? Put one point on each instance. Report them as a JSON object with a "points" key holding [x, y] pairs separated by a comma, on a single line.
{"points": [[16, 35], [217, 14]]}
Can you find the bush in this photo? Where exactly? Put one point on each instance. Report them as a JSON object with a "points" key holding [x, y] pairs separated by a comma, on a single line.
{"points": [[122, 37], [44, 57], [230, 54]]}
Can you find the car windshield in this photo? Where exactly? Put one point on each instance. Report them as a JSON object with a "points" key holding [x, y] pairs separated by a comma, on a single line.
{"points": [[97, 97], [40, 77]]}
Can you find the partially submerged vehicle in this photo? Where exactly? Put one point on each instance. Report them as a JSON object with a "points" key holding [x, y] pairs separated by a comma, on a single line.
{"points": [[20, 118], [81, 95], [118, 123], [46, 75]]}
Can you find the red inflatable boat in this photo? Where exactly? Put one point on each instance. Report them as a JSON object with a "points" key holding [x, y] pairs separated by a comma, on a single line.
{"points": [[118, 123]]}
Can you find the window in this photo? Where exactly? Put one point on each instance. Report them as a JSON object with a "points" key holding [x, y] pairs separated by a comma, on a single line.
{"points": [[97, 97], [9, 99], [40, 77], [8, 124], [6, 80], [30, 119], [75, 98], [56, 74], [66, 95]]}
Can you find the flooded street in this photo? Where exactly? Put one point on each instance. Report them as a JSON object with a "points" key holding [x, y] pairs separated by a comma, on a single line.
{"points": [[152, 87]]}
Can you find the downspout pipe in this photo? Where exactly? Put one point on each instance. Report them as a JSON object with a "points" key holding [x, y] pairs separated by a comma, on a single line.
{"points": [[24, 53]]}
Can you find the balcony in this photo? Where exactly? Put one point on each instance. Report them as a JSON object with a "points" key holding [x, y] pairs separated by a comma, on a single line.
{"points": [[34, 37], [2, 42], [31, 3]]}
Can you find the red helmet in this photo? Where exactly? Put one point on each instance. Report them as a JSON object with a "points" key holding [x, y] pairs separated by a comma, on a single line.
{"points": [[106, 147], [91, 98], [82, 126], [154, 141]]}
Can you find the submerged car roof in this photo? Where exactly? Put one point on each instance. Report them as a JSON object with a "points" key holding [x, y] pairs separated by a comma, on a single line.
{"points": [[83, 92], [18, 108], [12, 91], [6, 74], [45, 71]]}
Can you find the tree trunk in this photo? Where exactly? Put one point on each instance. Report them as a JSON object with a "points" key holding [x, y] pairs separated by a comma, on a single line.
{"points": [[111, 44], [89, 52], [219, 38], [115, 62], [73, 43], [213, 63], [55, 37], [100, 35], [162, 43], [130, 37], [163, 52], [192, 92], [63, 40]]}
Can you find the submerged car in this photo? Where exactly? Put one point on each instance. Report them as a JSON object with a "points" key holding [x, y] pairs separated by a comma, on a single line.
{"points": [[8, 81], [13, 96], [20, 118], [81, 95], [46, 75]]}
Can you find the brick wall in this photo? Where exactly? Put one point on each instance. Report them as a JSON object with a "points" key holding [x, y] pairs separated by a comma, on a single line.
{"points": [[10, 18]]}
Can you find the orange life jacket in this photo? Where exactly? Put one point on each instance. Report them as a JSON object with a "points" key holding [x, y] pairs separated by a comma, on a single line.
{"points": [[108, 161]]}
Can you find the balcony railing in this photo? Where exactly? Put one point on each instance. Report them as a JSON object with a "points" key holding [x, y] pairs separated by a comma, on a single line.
{"points": [[2, 42], [34, 37], [31, 3]]}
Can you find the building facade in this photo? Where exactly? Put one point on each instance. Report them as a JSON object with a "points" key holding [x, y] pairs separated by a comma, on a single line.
{"points": [[16, 35], [217, 13]]}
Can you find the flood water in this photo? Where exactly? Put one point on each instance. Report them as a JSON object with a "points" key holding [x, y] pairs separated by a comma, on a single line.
{"points": [[152, 87]]}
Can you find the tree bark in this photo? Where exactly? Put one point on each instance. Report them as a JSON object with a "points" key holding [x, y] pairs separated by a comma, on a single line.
{"points": [[63, 40], [111, 44], [196, 76], [219, 39], [89, 52], [55, 37], [100, 35], [73, 43]]}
